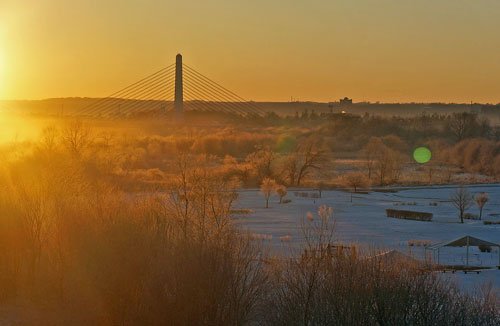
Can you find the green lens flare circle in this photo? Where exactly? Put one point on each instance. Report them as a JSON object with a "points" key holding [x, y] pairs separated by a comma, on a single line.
{"points": [[422, 155]]}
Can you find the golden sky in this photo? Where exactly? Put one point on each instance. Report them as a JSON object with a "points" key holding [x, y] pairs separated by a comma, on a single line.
{"points": [[321, 50]]}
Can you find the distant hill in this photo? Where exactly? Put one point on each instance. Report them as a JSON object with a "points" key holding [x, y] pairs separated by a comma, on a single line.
{"points": [[72, 106]]}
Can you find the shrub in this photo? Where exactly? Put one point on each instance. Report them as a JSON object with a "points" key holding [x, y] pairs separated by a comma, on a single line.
{"points": [[419, 243], [282, 192], [491, 222], [336, 287], [470, 216]]}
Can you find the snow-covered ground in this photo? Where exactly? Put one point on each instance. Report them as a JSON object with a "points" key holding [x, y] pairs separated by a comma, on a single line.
{"points": [[364, 222]]}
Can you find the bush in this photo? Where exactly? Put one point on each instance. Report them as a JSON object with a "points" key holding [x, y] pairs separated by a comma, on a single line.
{"points": [[470, 216], [81, 252], [419, 243], [337, 287]]}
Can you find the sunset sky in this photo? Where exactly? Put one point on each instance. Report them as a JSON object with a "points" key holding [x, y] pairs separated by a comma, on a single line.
{"points": [[319, 50]]}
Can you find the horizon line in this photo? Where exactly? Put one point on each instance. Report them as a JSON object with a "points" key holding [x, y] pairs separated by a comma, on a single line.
{"points": [[260, 101]]}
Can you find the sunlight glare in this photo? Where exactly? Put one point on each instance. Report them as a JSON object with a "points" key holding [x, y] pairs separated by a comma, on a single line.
{"points": [[3, 71]]}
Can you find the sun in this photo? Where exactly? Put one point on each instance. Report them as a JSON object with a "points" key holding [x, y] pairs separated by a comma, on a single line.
{"points": [[2, 72]]}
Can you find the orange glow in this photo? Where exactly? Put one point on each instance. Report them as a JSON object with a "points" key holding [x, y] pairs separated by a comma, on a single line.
{"points": [[389, 51], [17, 128]]}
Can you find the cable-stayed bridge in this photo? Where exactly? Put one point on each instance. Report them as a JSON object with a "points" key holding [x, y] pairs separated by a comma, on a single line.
{"points": [[173, 90]]}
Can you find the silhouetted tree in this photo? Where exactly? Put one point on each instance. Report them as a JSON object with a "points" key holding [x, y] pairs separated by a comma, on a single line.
{"points": [[76, 137], [462, 124], [462, 200], [309, 155]]}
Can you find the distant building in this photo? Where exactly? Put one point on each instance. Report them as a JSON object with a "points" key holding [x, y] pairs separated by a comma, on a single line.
{"points": [[345, 101]]}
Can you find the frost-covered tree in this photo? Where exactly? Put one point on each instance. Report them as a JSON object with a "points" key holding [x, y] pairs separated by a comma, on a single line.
{"points": [[267, 187], [481, 199], [262, 161], [281, 191], [382, 161]]}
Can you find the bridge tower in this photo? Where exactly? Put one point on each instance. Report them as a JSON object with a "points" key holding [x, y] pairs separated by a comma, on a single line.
{"points": [[179, 92]]}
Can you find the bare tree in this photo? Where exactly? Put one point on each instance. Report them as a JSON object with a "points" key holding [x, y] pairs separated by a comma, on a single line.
{"points": [[32, 207], [481, 199], [370, 152], [48, 139], [267, 187], [290, 168], [384, 163], [308, 156], [312, 158], [76, 137], [200, 198], [462, 124], [321, 186], [382, 160], [462, 200], [262, 161], [355, 180]]}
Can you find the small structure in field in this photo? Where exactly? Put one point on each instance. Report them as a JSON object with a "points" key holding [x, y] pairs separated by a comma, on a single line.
{"points": [[409, 215], [466, 241]]}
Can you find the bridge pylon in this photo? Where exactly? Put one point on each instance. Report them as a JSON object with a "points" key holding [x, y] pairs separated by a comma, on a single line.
{"points": [[179, 89], [174, 89]]}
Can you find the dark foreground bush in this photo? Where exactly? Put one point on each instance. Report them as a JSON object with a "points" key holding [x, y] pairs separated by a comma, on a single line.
{"points": [[79, 252], [345, 290], [329, 285]]}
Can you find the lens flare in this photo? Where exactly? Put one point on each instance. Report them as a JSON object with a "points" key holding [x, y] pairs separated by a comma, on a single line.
{"points": [[422, 155]]}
